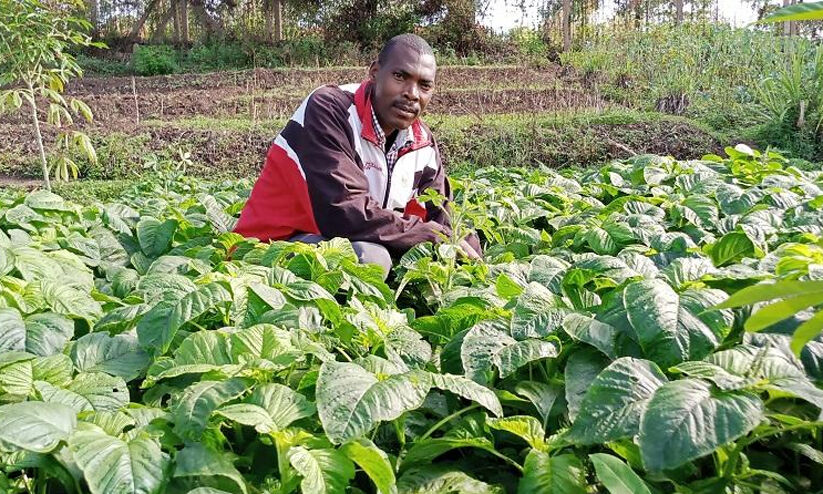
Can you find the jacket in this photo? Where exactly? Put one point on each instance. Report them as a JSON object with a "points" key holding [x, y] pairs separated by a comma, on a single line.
{"points": [[326, 174]]}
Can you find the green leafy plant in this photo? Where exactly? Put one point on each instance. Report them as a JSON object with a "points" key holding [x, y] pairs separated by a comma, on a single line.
{"points": [[35, 43], [799, 12], [600, 345]]}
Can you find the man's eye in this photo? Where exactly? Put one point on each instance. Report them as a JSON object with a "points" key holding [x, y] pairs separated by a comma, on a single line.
{"points": [[398, 75], [427, 86]]}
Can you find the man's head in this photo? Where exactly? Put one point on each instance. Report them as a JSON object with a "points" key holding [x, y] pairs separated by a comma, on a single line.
{"points": [[403, 77]]}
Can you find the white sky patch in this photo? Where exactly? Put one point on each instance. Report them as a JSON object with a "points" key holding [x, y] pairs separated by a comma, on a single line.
{"points": [[504, 15]]}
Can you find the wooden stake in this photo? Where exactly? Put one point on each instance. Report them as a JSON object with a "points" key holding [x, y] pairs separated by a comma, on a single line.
{"points": [[136, 104]]}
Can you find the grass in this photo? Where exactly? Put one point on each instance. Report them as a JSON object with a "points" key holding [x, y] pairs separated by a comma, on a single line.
{"points": [[231, 124], [236, 146]]}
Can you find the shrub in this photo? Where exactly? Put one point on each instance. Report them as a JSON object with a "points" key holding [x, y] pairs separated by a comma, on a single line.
{"points": [[154, 60]]}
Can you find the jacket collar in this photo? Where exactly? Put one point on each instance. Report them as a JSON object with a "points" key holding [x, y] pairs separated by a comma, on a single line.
{"points": [[363, 103]]}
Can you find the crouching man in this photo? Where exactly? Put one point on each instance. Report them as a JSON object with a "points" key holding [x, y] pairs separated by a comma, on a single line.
{"points": [[352, 161]]}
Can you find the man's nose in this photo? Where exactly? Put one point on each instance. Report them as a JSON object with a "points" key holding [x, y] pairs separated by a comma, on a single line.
{"points": [[411, 91]]}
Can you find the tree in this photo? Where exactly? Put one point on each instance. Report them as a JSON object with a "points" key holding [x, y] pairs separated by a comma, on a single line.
{"points": [[274, 19], [567, 25], [678, 12], [35, 38]]}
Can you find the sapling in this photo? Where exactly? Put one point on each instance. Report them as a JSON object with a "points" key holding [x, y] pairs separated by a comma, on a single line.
{"points": [[36, 65]]}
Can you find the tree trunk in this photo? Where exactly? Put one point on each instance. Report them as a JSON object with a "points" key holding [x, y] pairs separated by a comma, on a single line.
{"points": [[184, 21], [209, 23], [678, 12], [39, 136], [175, 5], [278, 20], [94, 16], [138, 26], [160, 29], [567, 26]]}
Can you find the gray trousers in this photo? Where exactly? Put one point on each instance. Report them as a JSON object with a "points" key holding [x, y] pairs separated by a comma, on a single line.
{"points": [[367, 252]]}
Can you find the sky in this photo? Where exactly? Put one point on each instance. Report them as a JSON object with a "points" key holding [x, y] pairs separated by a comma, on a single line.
{"points": [[504, 15]]}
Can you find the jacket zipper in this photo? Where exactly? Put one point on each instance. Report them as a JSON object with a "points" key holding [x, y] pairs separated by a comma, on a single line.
{"points": [[390, 169]]}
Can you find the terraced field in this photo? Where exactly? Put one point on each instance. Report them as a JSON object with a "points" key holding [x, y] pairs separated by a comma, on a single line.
{"points": [[226, 120]]}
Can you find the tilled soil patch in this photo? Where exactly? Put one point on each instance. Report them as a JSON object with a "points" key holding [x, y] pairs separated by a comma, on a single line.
{"points": [[447, 78]]}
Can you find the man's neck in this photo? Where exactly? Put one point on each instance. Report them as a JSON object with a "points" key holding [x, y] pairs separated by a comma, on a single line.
{"points": [[390, 138]]}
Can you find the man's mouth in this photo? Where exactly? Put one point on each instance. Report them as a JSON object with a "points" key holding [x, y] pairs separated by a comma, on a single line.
{"points": [[407, 111]]}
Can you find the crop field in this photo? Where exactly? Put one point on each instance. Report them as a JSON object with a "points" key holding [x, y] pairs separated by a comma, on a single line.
{"points": [[618, 336]]}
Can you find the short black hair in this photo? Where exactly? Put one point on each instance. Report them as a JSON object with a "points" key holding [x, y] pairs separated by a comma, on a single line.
{"points": [[409, 40]]}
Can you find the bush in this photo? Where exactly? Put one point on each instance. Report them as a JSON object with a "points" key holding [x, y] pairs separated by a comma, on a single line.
{"points": [[216, 56], [154, 60], [102, 66]]}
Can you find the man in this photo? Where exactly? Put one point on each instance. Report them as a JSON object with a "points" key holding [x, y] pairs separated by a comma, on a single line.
{"points": [[352, 161]]}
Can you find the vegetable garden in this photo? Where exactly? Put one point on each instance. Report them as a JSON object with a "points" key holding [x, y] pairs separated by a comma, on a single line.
{"points": [[648, 326]]}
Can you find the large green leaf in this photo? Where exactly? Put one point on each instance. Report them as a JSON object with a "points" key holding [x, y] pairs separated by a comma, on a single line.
{"points": [[351, 400], [770, 291], [41, 334], [538, 313], [197, 460], [200, 352], [88, 391], [542, 396], [769, 367], [16, 375], [775, 312], [672, 327], [114, 466], [70, 300], [799, 12], [118, 355], [687, 419], [512, 357], [154, 236], [47, 333], [35, 425], [191, 411], [271, 407], [589, 330], [615, 402], [187, 309], [373, 461], [34, 265], [732, 247], [425, 451], [469, 390], [479, 347], [562, 474], [323, 470], [13, 336], [582, 367], [433, 479], [616, 476], [526, 427], [45, 200]]}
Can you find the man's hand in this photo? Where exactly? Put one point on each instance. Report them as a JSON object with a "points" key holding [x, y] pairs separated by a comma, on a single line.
{"points": [[469, 250]]}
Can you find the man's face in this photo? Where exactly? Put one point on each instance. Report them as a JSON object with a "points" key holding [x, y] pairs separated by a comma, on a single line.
{"points": [[403, 86]]}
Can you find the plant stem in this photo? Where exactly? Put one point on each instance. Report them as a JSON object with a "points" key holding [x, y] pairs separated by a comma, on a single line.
{"points": [[39, 139], [447, 419], [731, 465], [506, 459]]}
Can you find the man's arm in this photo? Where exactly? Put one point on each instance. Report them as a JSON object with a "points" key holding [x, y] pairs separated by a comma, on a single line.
{"points": [[338, 188]]}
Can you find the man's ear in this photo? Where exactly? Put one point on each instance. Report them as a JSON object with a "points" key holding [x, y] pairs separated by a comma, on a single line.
{"points": [[373, 68]]}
